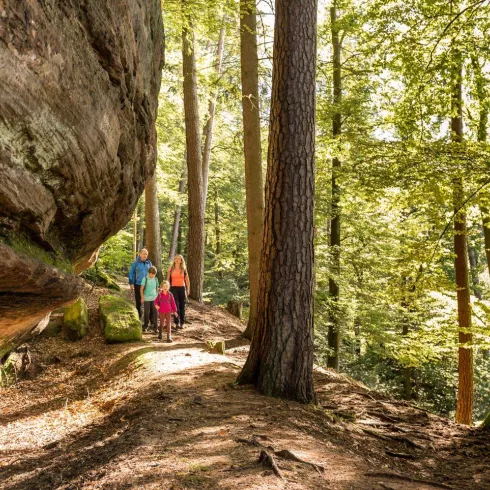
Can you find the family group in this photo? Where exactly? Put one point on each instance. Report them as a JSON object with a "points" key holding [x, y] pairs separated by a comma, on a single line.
{"points": [[160, 300]]}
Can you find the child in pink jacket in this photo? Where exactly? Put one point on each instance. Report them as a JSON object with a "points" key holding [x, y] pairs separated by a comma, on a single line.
{"points": [[165, 305]]}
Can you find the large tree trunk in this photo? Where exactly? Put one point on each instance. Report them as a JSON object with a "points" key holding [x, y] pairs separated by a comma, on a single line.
{"points": [[208, 129], [254, 182], [195, 235], [178, 211], [152, 215], [464, 408], [333, 285], [280, 362]]}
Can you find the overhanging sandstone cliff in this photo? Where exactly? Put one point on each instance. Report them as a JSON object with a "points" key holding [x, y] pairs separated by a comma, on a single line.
{"points": [[78, 102]]}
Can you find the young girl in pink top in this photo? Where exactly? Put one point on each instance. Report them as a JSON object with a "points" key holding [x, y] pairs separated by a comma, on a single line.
{"points": [[165, 305]]}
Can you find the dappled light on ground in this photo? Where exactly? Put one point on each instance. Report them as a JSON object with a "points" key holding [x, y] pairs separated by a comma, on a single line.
{"points": [[153, 415]]}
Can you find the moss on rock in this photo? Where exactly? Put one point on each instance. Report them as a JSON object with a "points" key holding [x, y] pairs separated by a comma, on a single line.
{"points": [[100, 278], [8, 373], [119, 319], [486, 422], [75, 320]]}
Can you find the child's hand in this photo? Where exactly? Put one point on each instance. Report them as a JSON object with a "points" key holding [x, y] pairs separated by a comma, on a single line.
{"points": [[157, 307]]}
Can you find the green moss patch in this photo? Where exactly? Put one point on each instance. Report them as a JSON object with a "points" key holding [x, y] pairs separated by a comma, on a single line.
{"points": [[119, 319], [24, 245]]}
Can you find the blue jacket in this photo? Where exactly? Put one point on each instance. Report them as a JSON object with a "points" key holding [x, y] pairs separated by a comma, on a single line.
{"points": [[138, 271]]}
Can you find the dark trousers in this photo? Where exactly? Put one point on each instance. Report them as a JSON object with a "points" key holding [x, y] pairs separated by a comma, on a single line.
{"points": [[137, 298], [179, 296], [151, 315]]}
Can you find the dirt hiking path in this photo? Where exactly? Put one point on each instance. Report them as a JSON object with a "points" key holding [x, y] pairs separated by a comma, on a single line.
{"points": [[152, 415]]}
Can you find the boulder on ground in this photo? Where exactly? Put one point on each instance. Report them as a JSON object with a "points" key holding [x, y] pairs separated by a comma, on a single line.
{"points": [[16, 366], [75, 320], [119, 319], [216, 347], [53, 328]]}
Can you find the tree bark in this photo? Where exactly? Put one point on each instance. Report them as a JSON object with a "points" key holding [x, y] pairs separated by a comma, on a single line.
{"points": [[195, 235], [217, 229], [135, 233], [333, 285], [141, 227], [486, 231], [208, 129], [152, 215], [254, 182], [475, 281], [178, 211], [280, 361], [464, 407]]}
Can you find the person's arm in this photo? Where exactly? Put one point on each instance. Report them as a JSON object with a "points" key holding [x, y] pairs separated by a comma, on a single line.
{"points": [[168, 273], [131, 275], [187, 284], [157, 302], [142, 290]]}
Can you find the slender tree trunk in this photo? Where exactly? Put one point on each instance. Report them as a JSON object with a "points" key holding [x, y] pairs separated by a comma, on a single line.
{"points": [[407, 371], [464, 408], [280, 361], [135, 233], [178, 211], [333, 284], [482, 138], [475, 281], [180, 240], [254, 182], [208, 129], [486, 232], [153, 237], [217, 229], [195, 234], [141, 227]]}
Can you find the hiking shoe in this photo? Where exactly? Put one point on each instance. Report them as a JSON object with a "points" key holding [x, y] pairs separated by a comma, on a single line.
{"points": [[169, 340]]}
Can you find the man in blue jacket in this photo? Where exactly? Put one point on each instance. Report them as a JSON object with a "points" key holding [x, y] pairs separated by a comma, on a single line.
{"points": [[138, 271]]}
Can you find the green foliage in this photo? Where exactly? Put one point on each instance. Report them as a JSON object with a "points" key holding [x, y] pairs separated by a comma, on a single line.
{"points": [[397, 307]]}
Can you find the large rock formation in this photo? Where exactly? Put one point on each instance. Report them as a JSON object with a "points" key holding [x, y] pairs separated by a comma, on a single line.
{"points": [[78, 101]]}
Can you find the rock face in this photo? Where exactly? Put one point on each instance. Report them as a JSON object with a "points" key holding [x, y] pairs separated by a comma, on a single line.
{"points": [[75, 320], [119, 319], [78, 101]]}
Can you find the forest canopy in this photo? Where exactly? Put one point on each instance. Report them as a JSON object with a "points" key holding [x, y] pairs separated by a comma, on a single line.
{"points": [[402, 178]]}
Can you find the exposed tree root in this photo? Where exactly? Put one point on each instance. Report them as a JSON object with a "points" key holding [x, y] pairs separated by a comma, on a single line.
{"points": [[400, 455], [267, 459], [397, 476], [285, 454]]}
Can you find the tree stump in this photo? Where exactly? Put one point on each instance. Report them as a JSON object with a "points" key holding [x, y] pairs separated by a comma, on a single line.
{"points": [[235, 308]]}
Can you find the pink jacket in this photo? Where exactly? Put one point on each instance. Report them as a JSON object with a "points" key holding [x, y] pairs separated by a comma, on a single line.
{"points": [[166, 303]]}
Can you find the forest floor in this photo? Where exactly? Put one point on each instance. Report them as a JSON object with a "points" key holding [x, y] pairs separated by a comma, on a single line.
{"points": [[152, 415]]}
